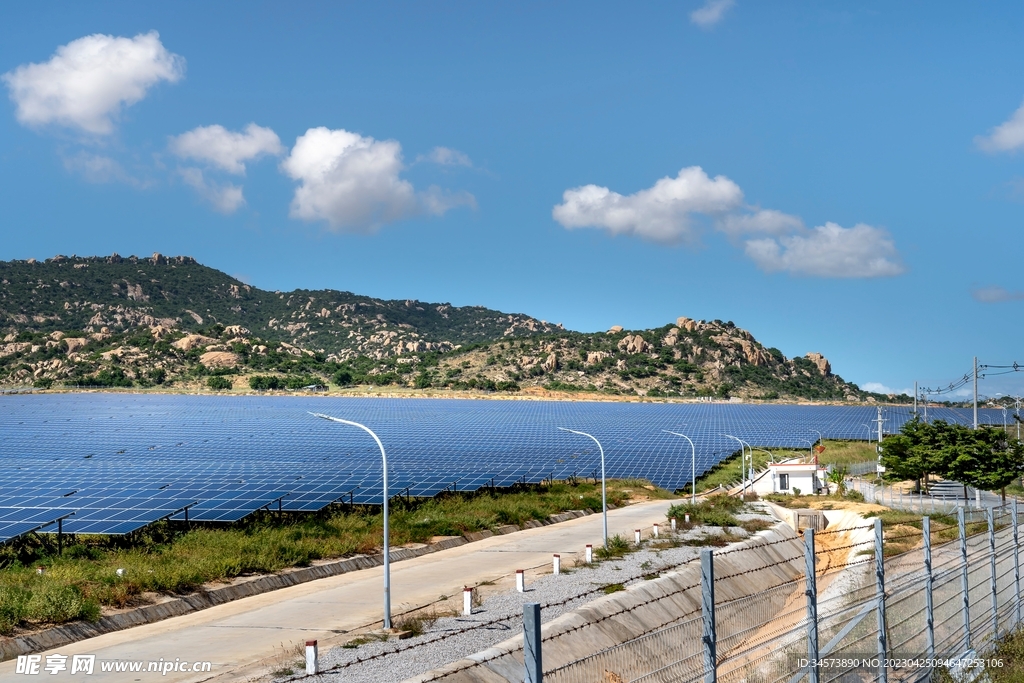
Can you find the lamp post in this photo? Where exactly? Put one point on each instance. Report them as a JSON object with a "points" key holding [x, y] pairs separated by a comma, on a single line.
{"points": [[387, 548], [604, 495], [742, 463], [693, 467], [868, 427], [1016, 403], [810, 447]]}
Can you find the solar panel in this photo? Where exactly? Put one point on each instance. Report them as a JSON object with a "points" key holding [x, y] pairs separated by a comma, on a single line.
{"points": [[17, 521], [124, 460]]}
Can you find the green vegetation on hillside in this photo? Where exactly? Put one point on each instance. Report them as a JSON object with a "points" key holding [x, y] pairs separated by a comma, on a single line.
{"points": [[122, 322]]}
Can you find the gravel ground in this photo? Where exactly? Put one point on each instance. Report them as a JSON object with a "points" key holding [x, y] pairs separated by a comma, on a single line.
{"points": [[500, 615]]}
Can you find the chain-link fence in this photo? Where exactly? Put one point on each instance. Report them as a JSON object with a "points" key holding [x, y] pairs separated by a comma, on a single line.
{"points": [[868, 606]]}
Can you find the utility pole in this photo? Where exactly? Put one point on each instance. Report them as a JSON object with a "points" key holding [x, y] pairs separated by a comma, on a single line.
{"points": [[975, 392], [879, 421], [915, 399]]}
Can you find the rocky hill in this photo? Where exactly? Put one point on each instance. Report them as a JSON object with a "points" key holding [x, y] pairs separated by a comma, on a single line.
{"points": [[112, 321], [108, 295]]}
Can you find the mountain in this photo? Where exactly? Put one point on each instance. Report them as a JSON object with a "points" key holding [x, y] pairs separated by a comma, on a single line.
{"points": [[113, 321], [110, 294]]}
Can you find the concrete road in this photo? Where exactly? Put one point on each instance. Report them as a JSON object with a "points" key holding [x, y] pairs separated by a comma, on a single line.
{"points": [[235, 636]]}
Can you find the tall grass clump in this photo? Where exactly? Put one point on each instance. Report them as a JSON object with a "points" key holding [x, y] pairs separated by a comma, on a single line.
{"points": [[714, 511]]}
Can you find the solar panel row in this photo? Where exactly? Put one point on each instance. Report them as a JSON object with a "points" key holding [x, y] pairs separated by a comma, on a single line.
{"points": [[123, 461]]}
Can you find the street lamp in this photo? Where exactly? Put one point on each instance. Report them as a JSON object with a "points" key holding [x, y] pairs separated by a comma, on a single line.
{"points": [[693, 467], [742, 464], [868, 427], [771, 456], [387, 549], [604, 495], [1016, 403]]}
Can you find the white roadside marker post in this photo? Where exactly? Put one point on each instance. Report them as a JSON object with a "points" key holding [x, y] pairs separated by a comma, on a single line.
{"points": [[590, 554], [312, 663], [520, 581], [467, 601], [557, 564]]}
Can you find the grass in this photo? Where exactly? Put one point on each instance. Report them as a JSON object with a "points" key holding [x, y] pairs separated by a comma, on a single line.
{"points": [[617, 547], [903, 530], [713, 511], [166, 558], [613, 588], [713, 540]]}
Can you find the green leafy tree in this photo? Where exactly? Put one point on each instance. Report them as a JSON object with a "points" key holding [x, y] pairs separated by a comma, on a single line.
{"points": [[219, 383]]}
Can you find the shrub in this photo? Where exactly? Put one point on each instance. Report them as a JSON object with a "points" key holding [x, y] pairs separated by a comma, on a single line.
{"points": [[13, 607], [265, 382], [55, 603], [218, 383]]}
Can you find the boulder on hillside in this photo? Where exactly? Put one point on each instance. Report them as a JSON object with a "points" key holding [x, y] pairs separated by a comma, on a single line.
{"points": [[219, 359], [192, 341], [614, 329], [634, 343], [75, 343], [821, 362]]}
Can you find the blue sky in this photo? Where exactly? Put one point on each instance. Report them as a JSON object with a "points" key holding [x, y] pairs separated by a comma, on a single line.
{"points": [[836, 178]]}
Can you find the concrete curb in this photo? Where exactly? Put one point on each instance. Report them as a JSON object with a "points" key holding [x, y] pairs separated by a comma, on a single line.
{"points": [[70, 633]]}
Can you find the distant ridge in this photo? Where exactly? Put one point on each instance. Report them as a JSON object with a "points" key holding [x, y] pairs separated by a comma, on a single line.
{"points": [[144, 321]]}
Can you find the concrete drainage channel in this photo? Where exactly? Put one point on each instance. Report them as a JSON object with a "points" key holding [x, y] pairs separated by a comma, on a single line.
{"points": [[59, 636], [576, 613]]}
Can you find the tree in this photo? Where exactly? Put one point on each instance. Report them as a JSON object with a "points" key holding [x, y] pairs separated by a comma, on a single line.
{"points": [[265, 382], [219, 383]]}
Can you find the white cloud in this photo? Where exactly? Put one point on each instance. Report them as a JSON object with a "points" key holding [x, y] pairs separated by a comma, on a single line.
{"points": [[668, 213], [711, 13], [226, 198], [225, 149], [879, 388], [86, 83], [995, 294], [763, 221], [1005, 137], [829, 250], [437, 202], [662, 213], [352, 182], [97, 168], [445, 156]]}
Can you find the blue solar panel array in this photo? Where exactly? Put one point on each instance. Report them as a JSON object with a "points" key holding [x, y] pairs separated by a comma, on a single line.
{"points": [[122, 461]]}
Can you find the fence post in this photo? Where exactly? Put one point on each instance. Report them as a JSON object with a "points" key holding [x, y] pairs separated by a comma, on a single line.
{"points": [[992, 571], [929, 585], [964, 584], [531, 642], [883, 645], [811, 589], [707, 604], [1016, 564]]}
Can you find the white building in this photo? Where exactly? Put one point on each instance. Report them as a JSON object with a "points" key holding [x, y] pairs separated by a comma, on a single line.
{"points": [[790, 477]]}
